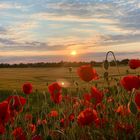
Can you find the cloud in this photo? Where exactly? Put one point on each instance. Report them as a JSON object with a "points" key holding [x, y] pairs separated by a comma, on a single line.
{"points": [[10, 5], [25, 47], [5, 6], [125, 16], [26, 25], [7, 41], [76, 11], [120, 39], [59, 26], [3, 30]]}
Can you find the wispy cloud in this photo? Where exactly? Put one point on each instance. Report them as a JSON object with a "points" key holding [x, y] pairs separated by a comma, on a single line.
{"points": [[10, 5], [58, 27]]}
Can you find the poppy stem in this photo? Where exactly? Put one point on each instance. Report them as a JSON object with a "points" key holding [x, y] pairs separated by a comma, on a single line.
{"points": [[132, 95], [114, 60], [71, 78]]}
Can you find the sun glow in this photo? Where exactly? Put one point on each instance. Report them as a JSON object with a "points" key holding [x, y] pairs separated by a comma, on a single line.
{"points": [[62, 83], [73, 53]]}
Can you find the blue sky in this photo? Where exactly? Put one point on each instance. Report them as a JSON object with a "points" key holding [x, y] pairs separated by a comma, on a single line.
{"points": [[48, 30]]}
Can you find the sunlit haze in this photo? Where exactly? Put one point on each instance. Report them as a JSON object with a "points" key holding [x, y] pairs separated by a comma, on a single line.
{"points": [[73, 53]]}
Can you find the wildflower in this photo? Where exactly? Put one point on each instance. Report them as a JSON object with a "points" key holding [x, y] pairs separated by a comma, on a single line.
{"points": [[41, 122], [129, 82], [87, 117], [64, 122], [134, 63], [123, 127], [16, 103], [4, 116], [28, 117], [19, 134], [4, 112], [101, 122], [27, 88], [110, 99], [123, 110], [32, 128], [96, 95], [53, 113], [55, 90], [137, 99], [87, 73], [87, 97], [71, 117], [2, 129]]}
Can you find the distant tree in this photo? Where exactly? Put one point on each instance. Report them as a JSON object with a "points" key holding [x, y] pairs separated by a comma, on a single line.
{"points": [[60, 64], [125, 61]]}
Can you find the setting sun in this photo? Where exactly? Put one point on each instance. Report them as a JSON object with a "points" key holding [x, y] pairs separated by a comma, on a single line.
{"points": [[73, 53]]}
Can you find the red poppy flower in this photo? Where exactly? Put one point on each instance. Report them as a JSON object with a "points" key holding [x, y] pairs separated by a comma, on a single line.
{"points": [[86, 103], [96, 95], [129, 128], [44, 121], [76, 105], [129, 82], [32, 128], [37, 137], [87, 73], [64, 122], [4, 116], [19, 134], [27, 88], [110, 99], [137, 99], [134, 63], [123, 110], [2, 129], [41, 122], [101, 122], [87, 97], [67, 98], [125, 128], [55, 90], [56, 98], [53, 113], [71, 117], [28, 117], [4, 113], [87, 117], [16, 103]]}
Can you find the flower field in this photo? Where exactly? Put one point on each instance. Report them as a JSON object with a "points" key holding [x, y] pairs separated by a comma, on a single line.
{"points": [[90, 112]]}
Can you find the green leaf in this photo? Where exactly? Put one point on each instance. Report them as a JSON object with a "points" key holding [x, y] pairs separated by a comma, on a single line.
{"points": [[133, 108]]}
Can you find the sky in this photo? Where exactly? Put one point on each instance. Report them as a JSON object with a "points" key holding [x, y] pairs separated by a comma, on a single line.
{"points": [[50, 30]]}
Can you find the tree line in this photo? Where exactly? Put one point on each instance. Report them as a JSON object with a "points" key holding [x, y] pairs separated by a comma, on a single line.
{"points": [[60, 64]]}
